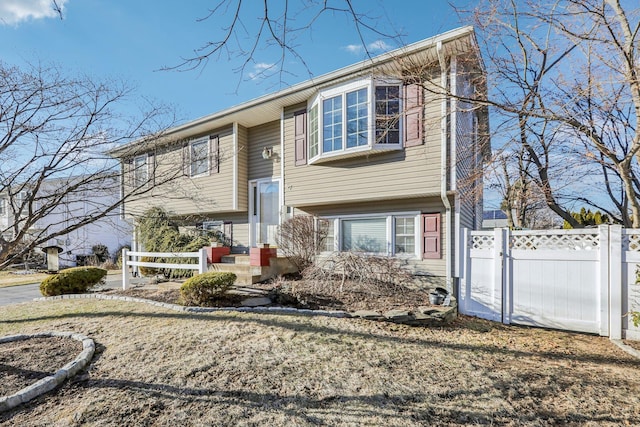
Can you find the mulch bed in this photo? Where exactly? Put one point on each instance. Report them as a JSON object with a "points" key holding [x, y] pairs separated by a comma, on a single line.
{"points": [[301, 294], [24, 362]]}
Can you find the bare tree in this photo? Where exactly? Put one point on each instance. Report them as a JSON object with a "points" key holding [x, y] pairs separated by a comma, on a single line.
{"points": [[54, 134], [565, 75], [278, 28]]}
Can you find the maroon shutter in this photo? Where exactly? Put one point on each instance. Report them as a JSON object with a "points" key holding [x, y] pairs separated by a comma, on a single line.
{"points": [[300, 136], [413, 110], [431, 236], [186, 164], [151, 168], [214, 147]]}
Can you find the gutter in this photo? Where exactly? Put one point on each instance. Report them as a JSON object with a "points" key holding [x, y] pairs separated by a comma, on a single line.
{"points": [[443, 164]]}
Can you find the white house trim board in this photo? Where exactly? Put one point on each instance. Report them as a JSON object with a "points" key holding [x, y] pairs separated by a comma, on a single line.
{"points": [[236, 154], [282, 157]]}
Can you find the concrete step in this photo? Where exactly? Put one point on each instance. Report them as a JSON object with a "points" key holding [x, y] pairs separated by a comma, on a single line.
{"points": [[238, 269], [236, 259]]}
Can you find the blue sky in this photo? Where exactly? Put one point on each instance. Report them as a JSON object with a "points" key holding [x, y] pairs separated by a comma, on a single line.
{"points": [[133, 40]]}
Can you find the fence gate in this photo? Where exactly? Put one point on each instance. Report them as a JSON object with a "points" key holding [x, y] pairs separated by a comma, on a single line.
{"points": [[548, 278]]}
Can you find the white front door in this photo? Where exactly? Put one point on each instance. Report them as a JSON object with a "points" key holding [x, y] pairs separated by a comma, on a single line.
{"points": [[264, 210]]}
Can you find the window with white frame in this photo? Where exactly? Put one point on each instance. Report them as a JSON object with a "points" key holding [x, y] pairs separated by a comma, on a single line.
{"points": [[140, 170], [388, 234], [199, 155], [388, 114], [356, 117], [326, 226], [3, 206], [405, 234]]}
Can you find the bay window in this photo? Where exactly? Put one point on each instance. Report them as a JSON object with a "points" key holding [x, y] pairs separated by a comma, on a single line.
{"points": [[356, 118]]}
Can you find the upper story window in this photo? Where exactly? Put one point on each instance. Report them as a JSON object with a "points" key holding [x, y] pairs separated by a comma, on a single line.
{"points": [[140, 170], [3, 206], [354, 118], [199, 154], [200, 157], [387, 114]]}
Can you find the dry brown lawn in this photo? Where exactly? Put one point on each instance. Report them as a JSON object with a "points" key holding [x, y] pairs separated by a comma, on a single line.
{"points": [[159, 367], [8, 278]]}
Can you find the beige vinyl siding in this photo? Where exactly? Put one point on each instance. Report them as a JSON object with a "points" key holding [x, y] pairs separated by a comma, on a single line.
{"points": [[242, 168], [434, 267], [410, 172], [185, 195], [240, 228], [266, 135]]}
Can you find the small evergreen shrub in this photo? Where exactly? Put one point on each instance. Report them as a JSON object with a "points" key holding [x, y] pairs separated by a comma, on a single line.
{"points": [[72, 281], [149, 271], [201, 288]]}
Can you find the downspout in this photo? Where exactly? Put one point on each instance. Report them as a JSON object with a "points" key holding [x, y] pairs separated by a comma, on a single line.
{"points": [[443, 163]]}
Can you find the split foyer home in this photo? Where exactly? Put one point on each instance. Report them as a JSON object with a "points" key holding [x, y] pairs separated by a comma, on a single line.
{"points": [[386, 154]]}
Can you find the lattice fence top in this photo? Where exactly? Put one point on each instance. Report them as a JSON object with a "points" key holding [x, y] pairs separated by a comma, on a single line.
{"points": [[549, 241], [631, 242], [482, 241]]}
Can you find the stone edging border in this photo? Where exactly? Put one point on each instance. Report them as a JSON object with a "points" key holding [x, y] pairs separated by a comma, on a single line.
{"points": [[632, 351], [52, 381]]}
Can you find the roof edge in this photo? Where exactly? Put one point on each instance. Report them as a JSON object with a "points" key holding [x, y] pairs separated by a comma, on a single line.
{"points": [[316, 81]]}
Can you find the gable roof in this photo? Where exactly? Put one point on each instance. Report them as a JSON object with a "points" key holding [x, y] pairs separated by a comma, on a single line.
{"points": [[268, 107]]}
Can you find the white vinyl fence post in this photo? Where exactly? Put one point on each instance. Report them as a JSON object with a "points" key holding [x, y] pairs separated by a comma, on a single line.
{"points": [[125, 269], [498, 282], [507, 281], [202, 261], [615, 282], [464, 291], [604, 262]]}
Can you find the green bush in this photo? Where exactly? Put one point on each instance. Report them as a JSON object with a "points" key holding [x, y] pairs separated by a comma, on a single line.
{"points": [[149, 271], [201, 288], [72, 281]]}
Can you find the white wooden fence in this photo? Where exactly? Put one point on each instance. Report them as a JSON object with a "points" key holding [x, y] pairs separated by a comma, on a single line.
{"points": [[579, 280], [127, 261]]}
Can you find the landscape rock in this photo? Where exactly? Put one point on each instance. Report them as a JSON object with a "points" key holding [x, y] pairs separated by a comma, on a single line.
{"points": [[368, 314], [399, 316], [255, 302]]}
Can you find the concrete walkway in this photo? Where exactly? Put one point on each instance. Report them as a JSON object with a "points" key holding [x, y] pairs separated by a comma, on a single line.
{"points": [[24, 293]]}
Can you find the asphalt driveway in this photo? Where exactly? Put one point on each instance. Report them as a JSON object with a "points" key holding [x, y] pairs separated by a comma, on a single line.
{"points": [[24, 293]]}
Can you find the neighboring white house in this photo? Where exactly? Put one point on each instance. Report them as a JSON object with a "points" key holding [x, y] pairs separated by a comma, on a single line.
{"points": [[111, 231]]}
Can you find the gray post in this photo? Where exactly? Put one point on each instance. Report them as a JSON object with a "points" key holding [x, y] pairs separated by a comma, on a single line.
{"points": [[615, 282], [202, 261]]}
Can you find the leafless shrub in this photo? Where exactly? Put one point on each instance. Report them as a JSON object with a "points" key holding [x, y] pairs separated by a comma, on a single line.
{"points": [[300, 240], [372, 274]]}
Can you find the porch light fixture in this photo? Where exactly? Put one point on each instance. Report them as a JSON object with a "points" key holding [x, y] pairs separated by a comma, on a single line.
{"points": [[267, 152]]}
